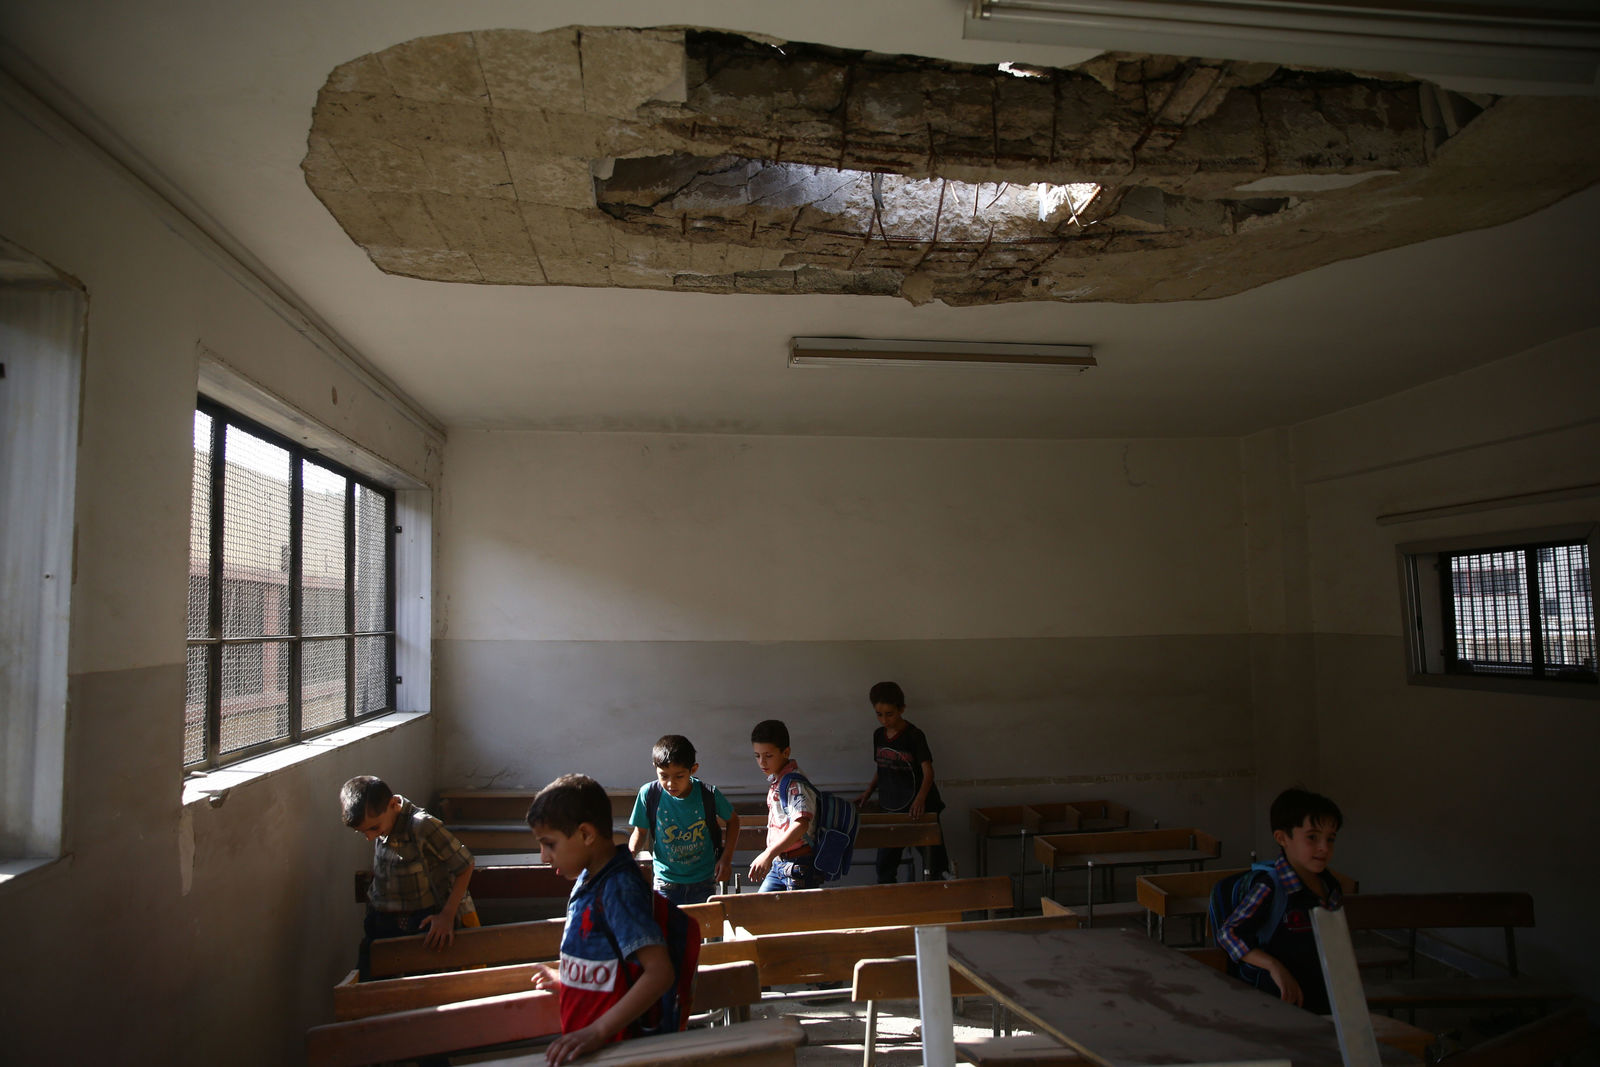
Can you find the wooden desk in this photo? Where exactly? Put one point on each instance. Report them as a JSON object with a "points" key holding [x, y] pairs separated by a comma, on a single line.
{"points": [[1120, 998], [1122, 848]]}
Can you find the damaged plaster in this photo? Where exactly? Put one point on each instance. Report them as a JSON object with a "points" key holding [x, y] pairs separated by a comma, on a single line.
{"points": [[694, 160]]}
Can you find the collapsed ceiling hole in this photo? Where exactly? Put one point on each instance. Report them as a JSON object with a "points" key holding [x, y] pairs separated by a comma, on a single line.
{"points": [[707, 161]]}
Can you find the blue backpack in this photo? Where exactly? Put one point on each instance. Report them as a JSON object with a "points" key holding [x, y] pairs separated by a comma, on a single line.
{"points": [[1225, 897], [836, 823]]}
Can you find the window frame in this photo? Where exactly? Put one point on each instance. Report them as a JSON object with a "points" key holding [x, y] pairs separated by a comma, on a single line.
{"points": [[1427, 617], [294, 639]]}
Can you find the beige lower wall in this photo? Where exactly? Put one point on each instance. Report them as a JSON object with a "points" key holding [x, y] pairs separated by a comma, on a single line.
{"points": [[1153, 722], [178, 934], [1447, 789]]}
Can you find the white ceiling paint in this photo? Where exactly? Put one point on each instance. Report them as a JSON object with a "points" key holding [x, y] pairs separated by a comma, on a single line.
{"points": [[218, 98]]}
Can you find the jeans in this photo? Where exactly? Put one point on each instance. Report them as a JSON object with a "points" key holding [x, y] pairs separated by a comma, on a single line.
{"points": [[686, 892], [791, 874]]}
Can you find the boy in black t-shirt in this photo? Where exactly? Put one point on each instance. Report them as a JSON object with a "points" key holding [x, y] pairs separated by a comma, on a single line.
{"points": [[904, 779]]}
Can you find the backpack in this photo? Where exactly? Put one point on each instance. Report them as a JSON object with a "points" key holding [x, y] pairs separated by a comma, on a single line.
{"points": [[1225, 897], [836, 824], [652, 804], [682, 935]]}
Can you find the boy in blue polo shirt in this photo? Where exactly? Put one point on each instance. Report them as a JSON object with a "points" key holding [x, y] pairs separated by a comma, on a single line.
{"points": [[614, 959], [690, 826]]}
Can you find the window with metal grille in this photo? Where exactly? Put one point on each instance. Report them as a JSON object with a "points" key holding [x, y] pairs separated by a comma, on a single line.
{"points": [[291, 605], [1512, 611]]}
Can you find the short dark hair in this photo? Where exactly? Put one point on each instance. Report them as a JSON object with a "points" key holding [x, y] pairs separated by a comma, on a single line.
{"points": [[1295, 805], [362, 797], [673, 749], [887, 693], [770, 732], [568, 802]]}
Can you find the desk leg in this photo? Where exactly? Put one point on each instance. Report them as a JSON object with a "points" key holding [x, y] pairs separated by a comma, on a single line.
{"points": [[933, 996]]}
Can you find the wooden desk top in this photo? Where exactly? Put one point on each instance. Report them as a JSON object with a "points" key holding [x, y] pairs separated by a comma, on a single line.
{"points": [[1121, 999], [1146, 858]]}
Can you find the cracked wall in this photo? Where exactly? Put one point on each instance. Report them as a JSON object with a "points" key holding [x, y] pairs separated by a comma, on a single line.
{"points": [[705, 161]]}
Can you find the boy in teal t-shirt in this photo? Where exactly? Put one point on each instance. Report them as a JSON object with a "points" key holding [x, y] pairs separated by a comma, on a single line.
{"points": [[694, 830]]}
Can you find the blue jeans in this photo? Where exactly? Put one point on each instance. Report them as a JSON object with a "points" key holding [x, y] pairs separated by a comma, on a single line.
{"points": [[686, 892], [791, 874]]}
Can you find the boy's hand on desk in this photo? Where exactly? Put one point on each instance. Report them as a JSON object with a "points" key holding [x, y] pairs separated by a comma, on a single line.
{"points": [[546, 977], [918, 806], [440, 931], [861, 801], [724, 872], [570, 1046]]}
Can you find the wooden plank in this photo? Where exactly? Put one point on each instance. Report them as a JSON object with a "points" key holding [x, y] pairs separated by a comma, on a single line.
{"points": [[427, 1031], [1057, 818], [522, 942], [831, 955], [764, 1043], [508, 805], [1555, 1037], [1121, 998], [1423, 992], [1189, 892], [1019, 1050], [895, 978], [852, 906], [1007, 820], [538, 939], [1060, 849], [357, 1000], [488, 837], [1438, 911]]}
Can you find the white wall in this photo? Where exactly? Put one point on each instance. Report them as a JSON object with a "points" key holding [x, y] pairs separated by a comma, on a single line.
{"points": [[1443, 789], [168, 934], [1057, 612]]}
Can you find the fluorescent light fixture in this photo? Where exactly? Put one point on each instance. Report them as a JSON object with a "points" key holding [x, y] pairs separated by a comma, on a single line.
{"points": [[863, 352], [1558, 45]]}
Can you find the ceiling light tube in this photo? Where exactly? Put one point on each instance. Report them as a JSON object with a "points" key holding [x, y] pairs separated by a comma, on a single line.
{"points": [[863, 352]]}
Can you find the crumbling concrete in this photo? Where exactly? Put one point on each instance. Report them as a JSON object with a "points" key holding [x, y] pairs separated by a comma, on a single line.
{"points": [[685, 159]]}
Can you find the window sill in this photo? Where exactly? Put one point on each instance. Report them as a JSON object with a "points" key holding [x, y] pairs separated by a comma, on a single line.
{"points": [[17, 870], [212, 786], [1533, 687]]}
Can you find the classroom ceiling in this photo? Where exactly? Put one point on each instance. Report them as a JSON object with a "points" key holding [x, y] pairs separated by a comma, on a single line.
{"points": [[231, 113]]}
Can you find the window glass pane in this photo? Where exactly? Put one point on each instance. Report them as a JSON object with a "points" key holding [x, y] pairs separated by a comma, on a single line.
{"points": [[200, 530], [322, 571], [372, 570], [1490, 590], [194, 707], [372, 674], [1566, 609], [255, 694], [255, 537], [322, 683]]}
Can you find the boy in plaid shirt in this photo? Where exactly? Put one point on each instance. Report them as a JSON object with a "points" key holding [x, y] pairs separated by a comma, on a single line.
{"points": [[419, 870]]}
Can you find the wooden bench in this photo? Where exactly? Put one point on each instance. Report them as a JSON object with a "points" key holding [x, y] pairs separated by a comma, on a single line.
{"points": [[1023, 821], [1107, 851], [508, 805], [1549, 1039], [728, 987], [1126, 913], [1412, 912], [433, 1030], [766, 1043], [523, 942], [503, 881], [911, 904], [1188, 893], [831, 955]]}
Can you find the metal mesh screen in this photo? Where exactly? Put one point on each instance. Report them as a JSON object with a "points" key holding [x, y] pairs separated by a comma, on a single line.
{"points": [[372, 674], [322, 683], [194, 707], [322, 558], [255, 537], [372, 564], [1491, 608], [200, 530], [255, 694], [1566, 607]]}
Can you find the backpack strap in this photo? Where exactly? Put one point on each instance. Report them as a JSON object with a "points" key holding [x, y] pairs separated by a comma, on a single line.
{"points": [[713, 831], [652, 804], [1277, 903]]}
